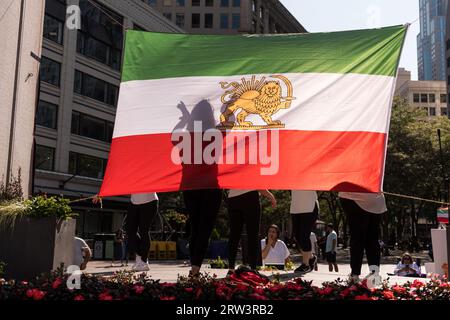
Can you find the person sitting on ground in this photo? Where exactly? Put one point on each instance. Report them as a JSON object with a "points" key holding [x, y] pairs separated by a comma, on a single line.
{"points": [[274, 251], [406, 267], [82, 253]]}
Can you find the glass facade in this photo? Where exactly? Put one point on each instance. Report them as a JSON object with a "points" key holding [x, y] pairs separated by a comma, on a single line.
{"points": [[44, 158], [50, 71], [431, 44], [94, 88], [86, 166], [46, 115], [101, 34]]}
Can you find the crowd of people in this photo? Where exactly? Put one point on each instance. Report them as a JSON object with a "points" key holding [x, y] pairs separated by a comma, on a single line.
{"points": [[364, 212]]}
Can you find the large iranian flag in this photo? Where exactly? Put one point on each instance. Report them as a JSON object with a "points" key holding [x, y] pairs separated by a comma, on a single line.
{"points": [[295, 111]]}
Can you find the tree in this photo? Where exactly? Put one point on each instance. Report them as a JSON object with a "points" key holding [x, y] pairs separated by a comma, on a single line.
{"points": [[413, 166]]}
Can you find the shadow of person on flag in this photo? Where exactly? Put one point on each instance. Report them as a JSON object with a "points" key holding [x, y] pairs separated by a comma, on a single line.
{"points": [[201, 193]]}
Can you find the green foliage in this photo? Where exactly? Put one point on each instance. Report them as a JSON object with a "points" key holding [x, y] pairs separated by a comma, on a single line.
{"points": [[36, 207], [218, 263], [42, 207], [413, 164], [11, 191]]}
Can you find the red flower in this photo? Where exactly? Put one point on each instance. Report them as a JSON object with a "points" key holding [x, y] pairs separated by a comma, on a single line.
{"points": [[56, 283], [224, 292], [326, 291], [167, 298], [138, 289], [198, 293], [105, 296], [79, 298], [345, 292], [417, 284], [363, 297], [444, 285], [398, 289], [189, 290], [388, 295], [25, 283], [36, 294]]}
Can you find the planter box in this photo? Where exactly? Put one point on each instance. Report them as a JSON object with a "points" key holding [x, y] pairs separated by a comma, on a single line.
{"points": [[35, 246], [218, 248], [439, 241]]}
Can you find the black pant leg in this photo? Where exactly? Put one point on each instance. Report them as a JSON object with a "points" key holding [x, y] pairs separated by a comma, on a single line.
{"points": [[204, 213], [372, 245], [192, 201], [252, 218], [147, 213], [358, 221], [131, 227], [236, 216]]}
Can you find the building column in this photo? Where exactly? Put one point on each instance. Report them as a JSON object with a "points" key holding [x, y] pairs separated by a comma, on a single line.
{"points": [[246, 16], [66, 97]]}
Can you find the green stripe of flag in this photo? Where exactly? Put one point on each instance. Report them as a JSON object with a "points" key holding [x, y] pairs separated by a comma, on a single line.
{"points": [[163, 55]]}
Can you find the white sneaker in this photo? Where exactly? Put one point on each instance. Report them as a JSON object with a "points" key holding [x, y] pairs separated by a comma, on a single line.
{"points": [[137, 263], [373, 278], [352, 278], [142, 266]]}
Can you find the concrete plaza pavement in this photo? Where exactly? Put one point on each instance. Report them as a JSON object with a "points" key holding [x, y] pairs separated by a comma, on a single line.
{"points": [[169, 271]]}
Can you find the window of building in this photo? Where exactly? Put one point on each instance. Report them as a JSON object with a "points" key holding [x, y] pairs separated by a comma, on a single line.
{"points": [[432, 98], [423, 97], [91, 127], [53, 29], [432, 112], [196, 20], [208, 20], [224, 3], [443, 98], [168, 15], [181, 3], [86, 166], [196, 3], [209, 3], [180, 20], [416, 97], [44, 158], [47, 114], [224, 22], [94, 88], [101, 34], [444, 112], [50, 71], [236, 3], [236, 21], [167, 3]]}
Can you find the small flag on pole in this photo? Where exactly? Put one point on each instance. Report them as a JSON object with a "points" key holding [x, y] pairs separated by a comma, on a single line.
{"points": [[442, 215]]}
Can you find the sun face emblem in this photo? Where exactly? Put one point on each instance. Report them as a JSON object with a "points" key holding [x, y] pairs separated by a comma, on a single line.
{"points": [[260, 97]]}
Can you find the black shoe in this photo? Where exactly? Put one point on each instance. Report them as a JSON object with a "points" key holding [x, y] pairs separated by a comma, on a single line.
{"points": [[303, 269], [312, 262]]}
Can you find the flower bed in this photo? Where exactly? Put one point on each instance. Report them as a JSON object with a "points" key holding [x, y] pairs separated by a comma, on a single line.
{"points": [[245, 286]]}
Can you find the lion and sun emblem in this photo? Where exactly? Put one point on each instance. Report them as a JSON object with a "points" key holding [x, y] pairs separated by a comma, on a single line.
{"points": [[254, 97]]}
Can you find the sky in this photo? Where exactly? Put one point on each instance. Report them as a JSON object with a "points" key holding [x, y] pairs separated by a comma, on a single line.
{"points": [[338, 15]]}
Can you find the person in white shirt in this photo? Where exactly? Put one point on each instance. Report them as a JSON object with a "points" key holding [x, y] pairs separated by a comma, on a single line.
{"points": [[330, 248], [364, 212], [141, 212], [304, 212], [82, 253], [274, 251], [244, 208], [406, 267]]}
